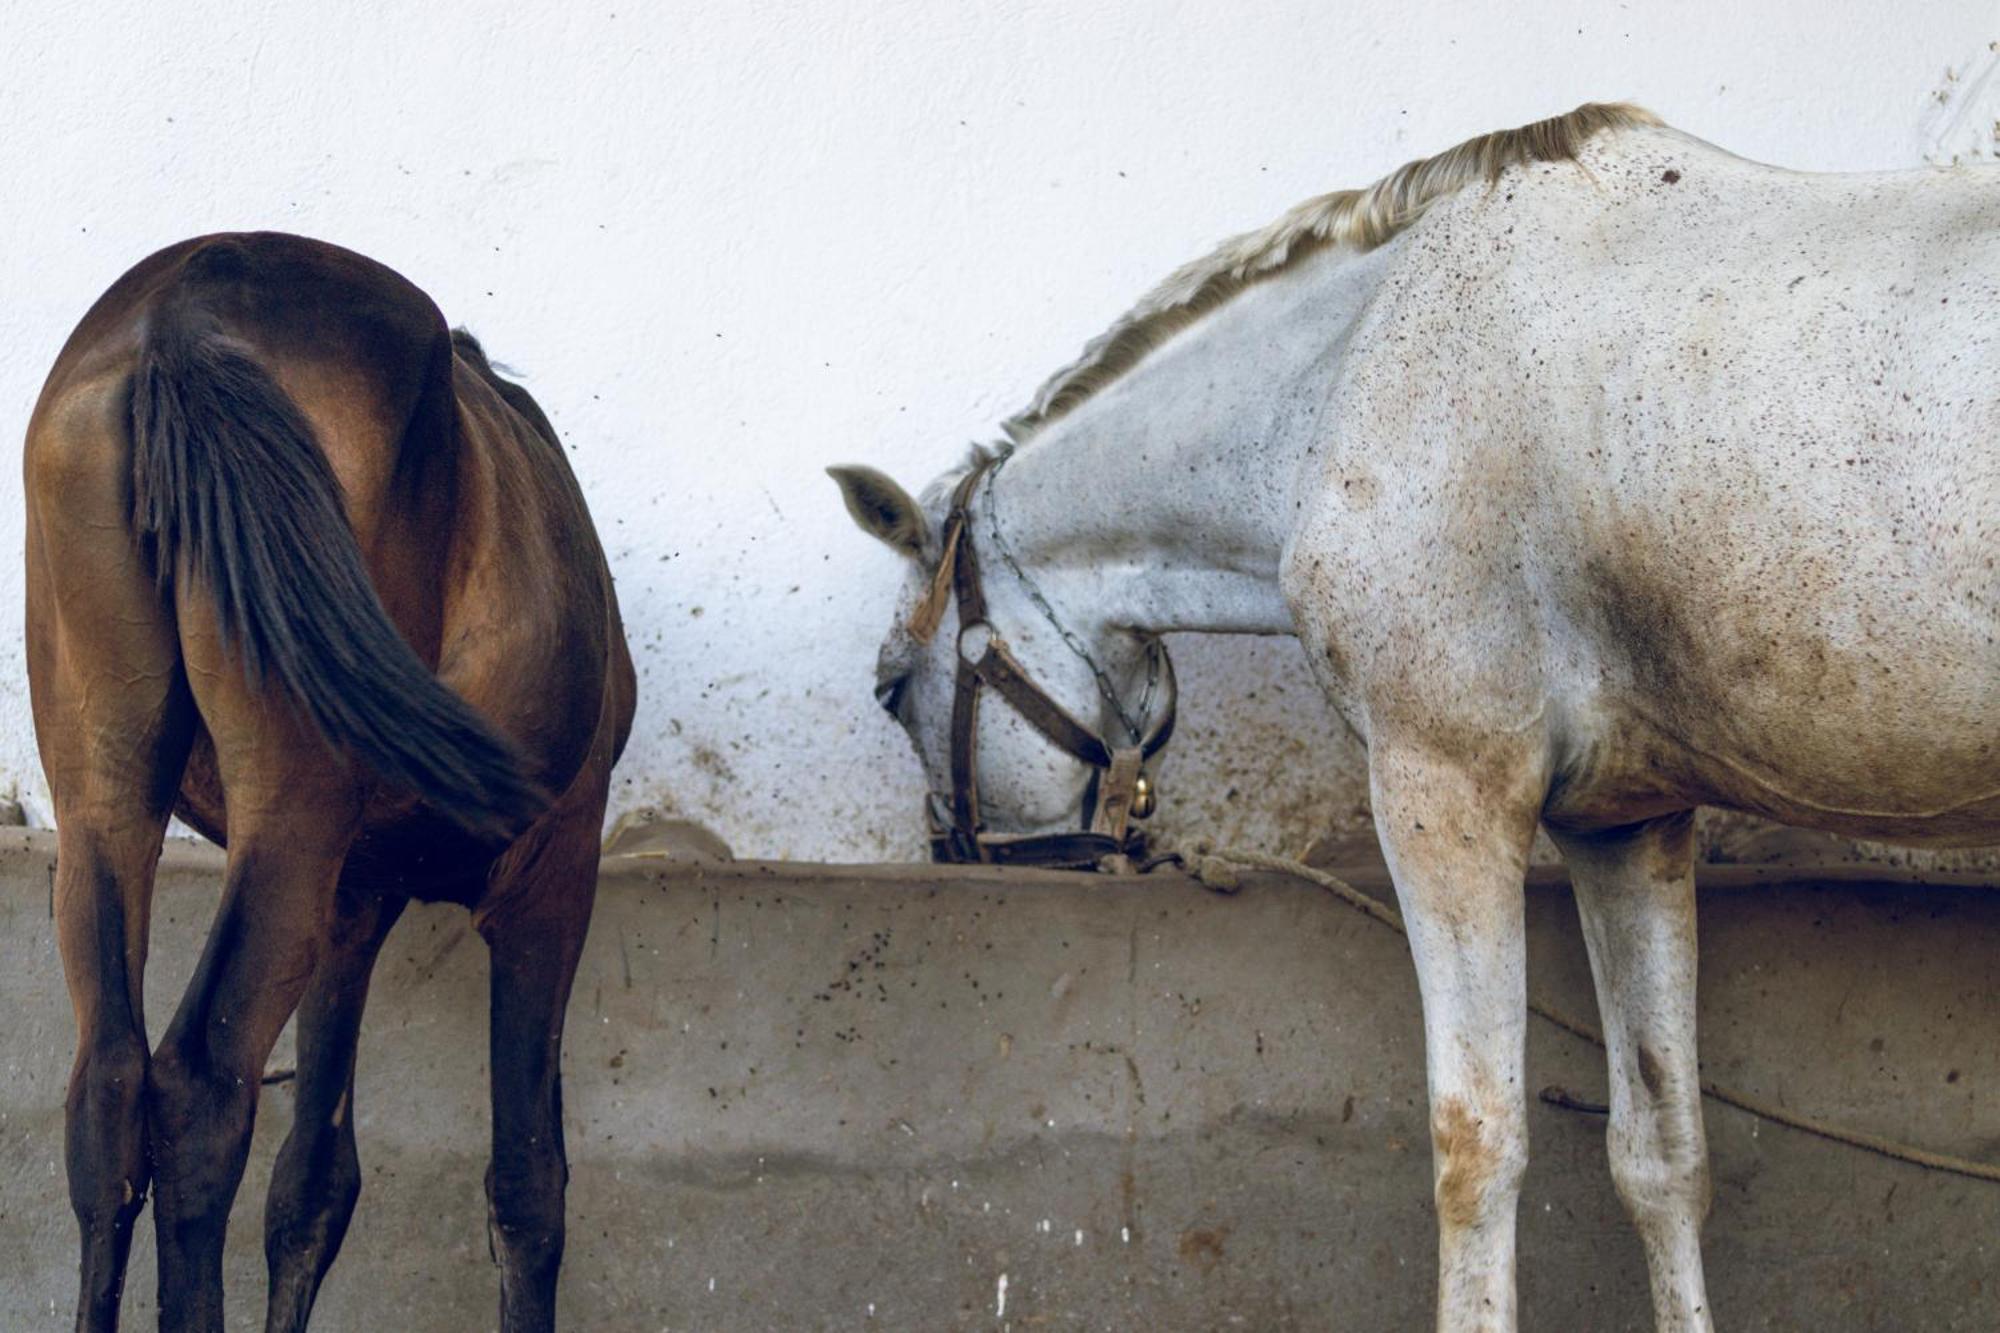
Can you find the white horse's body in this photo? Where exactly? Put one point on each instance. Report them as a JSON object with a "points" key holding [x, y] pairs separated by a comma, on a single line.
{"points": [[1613, 487]]}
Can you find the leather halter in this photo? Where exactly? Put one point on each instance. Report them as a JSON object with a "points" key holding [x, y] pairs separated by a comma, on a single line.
{"points": [[1106, 836]]}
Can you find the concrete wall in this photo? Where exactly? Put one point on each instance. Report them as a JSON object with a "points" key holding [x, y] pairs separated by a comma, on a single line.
{"points": [[729, 241], [856, 1099]]}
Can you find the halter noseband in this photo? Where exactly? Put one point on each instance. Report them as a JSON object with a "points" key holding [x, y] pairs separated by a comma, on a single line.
{"points": [[1118, 792]]}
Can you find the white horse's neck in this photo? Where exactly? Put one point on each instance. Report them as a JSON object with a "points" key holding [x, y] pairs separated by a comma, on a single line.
{"points": [[1164, 501]]}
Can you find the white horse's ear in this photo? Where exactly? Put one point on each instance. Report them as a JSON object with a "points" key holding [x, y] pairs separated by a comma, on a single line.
{"points": [[884, 510]]}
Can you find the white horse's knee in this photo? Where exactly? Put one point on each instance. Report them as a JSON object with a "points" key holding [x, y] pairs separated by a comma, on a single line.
{"points": [[1481, 1155], [1659, 1174]]}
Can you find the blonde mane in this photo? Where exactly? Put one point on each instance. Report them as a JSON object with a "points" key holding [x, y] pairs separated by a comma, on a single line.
{"points": [[1362, 219]]}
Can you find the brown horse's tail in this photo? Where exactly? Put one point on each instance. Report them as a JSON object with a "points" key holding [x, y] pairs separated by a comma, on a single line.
{"points": [[234, 491]]}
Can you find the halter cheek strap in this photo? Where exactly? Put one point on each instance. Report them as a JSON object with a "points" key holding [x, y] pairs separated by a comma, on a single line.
{"points": [[984, 660]]}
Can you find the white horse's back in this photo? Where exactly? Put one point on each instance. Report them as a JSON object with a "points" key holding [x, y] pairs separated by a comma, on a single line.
{"points": [[1733, 430]]}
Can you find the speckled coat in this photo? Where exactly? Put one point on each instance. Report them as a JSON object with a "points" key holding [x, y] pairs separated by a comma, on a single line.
{"points": [[1609, 488]]}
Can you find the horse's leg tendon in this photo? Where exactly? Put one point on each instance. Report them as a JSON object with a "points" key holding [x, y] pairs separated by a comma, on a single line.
{"points": [[317, 1178], [208, 1069], [1456, 834], [1635, 894], [534, 958]]}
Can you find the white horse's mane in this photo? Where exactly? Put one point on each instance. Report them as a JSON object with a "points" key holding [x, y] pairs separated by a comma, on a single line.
{"points": [[1362, 219]]}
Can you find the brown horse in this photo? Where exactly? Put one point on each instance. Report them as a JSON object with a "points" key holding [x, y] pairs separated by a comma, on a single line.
{"points": [[303, 570]]}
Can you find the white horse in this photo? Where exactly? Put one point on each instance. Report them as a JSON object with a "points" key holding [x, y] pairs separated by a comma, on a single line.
{"points": [[1603, 475]]}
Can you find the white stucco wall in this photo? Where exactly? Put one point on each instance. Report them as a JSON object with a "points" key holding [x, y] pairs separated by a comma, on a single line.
{"points": [[730, 241]]}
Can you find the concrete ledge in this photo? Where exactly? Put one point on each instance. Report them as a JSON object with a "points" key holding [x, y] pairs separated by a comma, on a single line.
{"points": [[804, 1097]]}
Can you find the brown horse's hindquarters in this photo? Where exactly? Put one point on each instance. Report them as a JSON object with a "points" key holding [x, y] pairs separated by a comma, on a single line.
{"points": [[233, 490]]}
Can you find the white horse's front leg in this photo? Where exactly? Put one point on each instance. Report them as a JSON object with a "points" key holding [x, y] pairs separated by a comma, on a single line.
{"points": [[1456, 832], [1635, 893]]}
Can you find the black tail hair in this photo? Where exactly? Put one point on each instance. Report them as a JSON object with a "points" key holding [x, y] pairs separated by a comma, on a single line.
{"points": [[233, 489]]}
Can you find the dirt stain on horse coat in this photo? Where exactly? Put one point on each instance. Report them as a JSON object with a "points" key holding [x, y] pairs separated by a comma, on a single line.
{"points": [[1466, 1163]]}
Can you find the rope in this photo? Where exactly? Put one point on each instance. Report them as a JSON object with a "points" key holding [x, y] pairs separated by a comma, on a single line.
{"points": [[1216, 867]]}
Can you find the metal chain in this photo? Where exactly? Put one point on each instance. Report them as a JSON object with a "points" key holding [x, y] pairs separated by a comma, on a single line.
{"points": [[1075, 645]]}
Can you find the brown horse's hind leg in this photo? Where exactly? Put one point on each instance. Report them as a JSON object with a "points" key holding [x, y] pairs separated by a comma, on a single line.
{"points": [[103, 896], [292, 807], [114, 722], [543, 892], [318, 1174]]}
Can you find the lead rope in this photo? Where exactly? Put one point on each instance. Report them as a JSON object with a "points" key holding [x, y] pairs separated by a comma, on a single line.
{"points": [[1215, 867]]}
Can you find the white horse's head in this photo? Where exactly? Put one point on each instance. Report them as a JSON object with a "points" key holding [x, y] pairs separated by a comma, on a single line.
{"points": [[1061, 692]]}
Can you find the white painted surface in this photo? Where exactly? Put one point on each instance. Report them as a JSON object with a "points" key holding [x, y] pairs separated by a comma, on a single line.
{"points": [[729, 241]]}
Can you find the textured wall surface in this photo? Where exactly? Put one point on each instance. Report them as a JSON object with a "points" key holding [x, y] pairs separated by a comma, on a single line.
{"points": [[730, 241]]}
